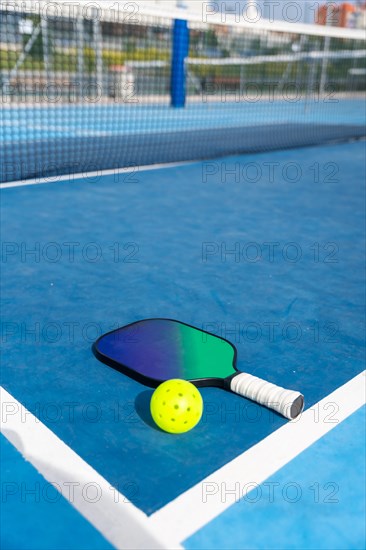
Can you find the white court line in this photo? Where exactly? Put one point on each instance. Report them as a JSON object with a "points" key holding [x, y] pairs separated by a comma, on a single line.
{"points": [[188, 513], [101, 173], [119, 521]]}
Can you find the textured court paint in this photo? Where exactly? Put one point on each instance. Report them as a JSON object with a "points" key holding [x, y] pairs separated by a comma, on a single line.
{"points": [[109, 511], [190, 512], [34, 515], [326, 486], [161, 349], [168, 214]]}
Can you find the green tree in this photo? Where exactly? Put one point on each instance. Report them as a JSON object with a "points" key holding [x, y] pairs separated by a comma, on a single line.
{"points": [[211, 39], [37, 50]]}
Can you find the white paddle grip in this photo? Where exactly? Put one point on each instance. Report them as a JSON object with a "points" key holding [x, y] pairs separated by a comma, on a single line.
{"points": [[289, 403]]}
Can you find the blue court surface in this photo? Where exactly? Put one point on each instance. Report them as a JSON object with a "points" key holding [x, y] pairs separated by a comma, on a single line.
{"points": [[27, 517], [121, 119], [63, 139], [280, 513], [263, 249]]}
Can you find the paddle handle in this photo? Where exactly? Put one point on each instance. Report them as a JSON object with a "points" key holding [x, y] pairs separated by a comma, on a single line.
{"points": [[289, 403]]}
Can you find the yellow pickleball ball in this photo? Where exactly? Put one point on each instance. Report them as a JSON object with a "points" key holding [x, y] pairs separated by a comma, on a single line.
{"points": [[176, 406]]}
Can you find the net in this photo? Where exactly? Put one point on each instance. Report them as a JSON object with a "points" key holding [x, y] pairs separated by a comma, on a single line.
{"points": [[87, 87]]}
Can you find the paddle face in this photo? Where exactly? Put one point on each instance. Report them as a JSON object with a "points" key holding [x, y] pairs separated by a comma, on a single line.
{"points": [[155, 350]]}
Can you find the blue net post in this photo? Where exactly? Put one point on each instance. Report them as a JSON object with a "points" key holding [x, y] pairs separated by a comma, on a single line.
{"points": [[180, 52]]}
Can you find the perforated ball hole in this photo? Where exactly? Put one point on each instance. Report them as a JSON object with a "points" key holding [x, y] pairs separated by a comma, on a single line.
{"points": [[172, 419], [176, 406], [180, 394], [188, 409]]}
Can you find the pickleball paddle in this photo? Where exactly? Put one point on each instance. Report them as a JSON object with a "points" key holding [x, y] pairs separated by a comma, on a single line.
{"points": [[154, 350]]}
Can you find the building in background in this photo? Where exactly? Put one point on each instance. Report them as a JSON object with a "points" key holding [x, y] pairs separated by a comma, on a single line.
{"points": [[345, 14]]}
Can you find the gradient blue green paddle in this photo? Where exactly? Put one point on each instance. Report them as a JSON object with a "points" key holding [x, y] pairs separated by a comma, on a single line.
{"points": [[155, 350]]}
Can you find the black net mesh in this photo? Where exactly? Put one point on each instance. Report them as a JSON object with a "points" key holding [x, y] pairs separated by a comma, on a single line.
{"points": [[87, 89]]}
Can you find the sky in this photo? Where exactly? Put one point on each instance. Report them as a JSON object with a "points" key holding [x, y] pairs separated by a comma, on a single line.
{"points": [[288, 10], [283, 9]]}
